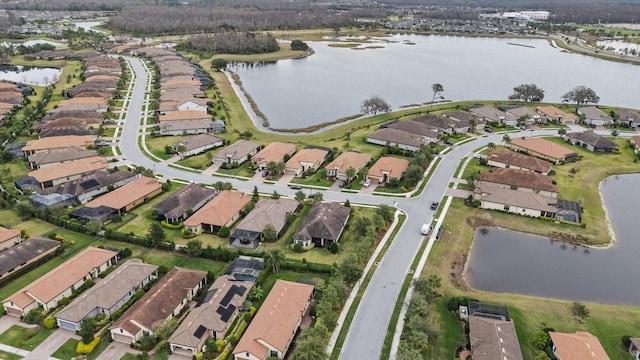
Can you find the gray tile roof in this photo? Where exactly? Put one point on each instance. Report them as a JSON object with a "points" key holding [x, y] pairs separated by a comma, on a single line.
{"points": [[268, 212], [593, 139], [184, 199], [237, 151], [324, 221], [25, 251], [493, 339]]}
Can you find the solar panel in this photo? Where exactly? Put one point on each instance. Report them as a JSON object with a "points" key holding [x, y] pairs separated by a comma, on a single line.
{"points": [[207, 297], [233, 290], [200, 331], [89, 184], [228, 313]]}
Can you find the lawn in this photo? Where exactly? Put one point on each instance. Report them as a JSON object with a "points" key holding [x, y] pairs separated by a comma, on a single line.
{"points": [[156, 145], [9, 356], [199, 162], [36, 227], [24, 338], [9, 218], [67, 351], [243, 170], [314, 180]]}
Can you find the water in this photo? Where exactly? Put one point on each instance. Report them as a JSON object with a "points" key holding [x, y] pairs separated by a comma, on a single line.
{"points": [[32, 75], [333, 82], [31, 43], [512, 262], [621, 47], [88, 25]]}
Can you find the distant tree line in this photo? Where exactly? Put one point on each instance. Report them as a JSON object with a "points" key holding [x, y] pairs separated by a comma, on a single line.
{"points": [[230, 42]]}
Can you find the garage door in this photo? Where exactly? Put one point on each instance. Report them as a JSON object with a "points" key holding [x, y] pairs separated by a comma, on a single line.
{"points": [[63, 324], [121, 338]]}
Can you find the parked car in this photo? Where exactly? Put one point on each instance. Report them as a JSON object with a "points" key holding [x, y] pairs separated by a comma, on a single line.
{"points": [[342, 183], [295, 187], [265, 174], [426, 229], [434, 205], [488, 129], [367, 183], [478, 156]]}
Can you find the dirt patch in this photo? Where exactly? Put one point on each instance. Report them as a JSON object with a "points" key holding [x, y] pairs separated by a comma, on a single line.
{"points": [[480, 221], [457, 268]]}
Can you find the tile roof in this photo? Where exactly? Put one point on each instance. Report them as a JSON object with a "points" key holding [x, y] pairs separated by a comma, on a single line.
{"points": [[123, 196], [395, 136], [274, 151], [89, 182], [415, 127], [542, 146], [578, 346], [513, 158], [100, 102], [77, 130], [58, 142], [495, 194], [521, 111], [8, 234], [20, 254], [268, 212], [220, 210], [237, 151], [184, 125], [277, 320], [627, 114], [107, 292], [435, 121], [69, 168], [592, 112], [56, 281], [554, 112], [61, 154], [161, 300], [349, 159], [393, 167], [520, 178], [198, 141], [182, 200], [184, 115], [493, 339], [313, 155], [593, 139], [491, 113], [324, 221], [207, 314]]}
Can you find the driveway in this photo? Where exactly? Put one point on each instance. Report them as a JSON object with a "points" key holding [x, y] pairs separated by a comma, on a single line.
{"points": [[51, 344], [116, 350], [285, 179]]}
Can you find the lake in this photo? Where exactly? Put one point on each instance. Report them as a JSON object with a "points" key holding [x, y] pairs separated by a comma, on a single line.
{"points": [[32, 75], [332, 83], [511, 262], [89, 25]]}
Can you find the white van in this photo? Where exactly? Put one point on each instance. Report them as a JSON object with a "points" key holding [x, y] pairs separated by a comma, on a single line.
{"points": [[426, 229]]}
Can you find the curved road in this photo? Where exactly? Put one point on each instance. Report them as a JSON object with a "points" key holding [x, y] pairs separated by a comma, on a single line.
{"points": [[369, 325]]}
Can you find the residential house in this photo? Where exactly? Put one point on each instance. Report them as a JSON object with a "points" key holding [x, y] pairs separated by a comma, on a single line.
{"points": [[9, 237], [387, 168], [627, 117], [428, 133], [76, 130], [494, 116], [492, 334], [223, 210], [495, 197], [634, 348], [128, 196], [271, 212], [323, 225], [525, 114], [89, 186], [305, 160], [579, 345], [46, 291], [503, 158], [399, 138], [635, 143], [590, 141], [212, 317], [57, 142], [95, 103], [100, 214], [164, 301], [569, 211], [521, 180], [50, 201], [275, 151], [553, 114], [197, 144], [543, 149], [347, 160], [236, 153], [594, 116], [24, 254], [185, 127], [274, 326], [441, 124], [184, 115], [108, 294], [67, 171], [177, 207]]}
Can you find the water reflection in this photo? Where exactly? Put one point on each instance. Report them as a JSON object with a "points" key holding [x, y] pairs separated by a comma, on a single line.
{"points": [[32, 75]]}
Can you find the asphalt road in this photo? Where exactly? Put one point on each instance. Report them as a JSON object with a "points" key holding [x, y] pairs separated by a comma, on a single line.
{"points": [[369, 326]]}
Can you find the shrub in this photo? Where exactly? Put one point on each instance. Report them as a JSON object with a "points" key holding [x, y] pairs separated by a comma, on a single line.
{"points": [[84, 349], [34, 316], [49, 323], [224, 232], [171, 226], [220, 344], [147, 343], [334, 248], [58, 237], [297, 248], [126, 252]]}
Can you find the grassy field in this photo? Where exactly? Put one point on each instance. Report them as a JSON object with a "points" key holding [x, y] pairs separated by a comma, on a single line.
{"points": [[198, 162], [36, 227], [8, 218], [24, 338], [156, 145]]}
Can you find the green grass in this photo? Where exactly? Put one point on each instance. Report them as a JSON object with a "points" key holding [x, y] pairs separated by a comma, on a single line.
{"points": [[67, 350], [23, 338], [9, 356], [156, 145], [451, 333], [36, 227], [9, 218], [199, 162], [314, 180], [109, 132], [243, 170]]}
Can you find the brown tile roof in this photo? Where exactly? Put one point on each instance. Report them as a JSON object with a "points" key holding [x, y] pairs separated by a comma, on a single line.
{"points": [[542, 146], [123, 196], [397, 136], [57, 142], [77, 130], [198, 141], [636, 139], [207, 315], [627, 114], [493, 339], [161, 300], [495, 194], [56, 281], [83, 100], [268, 212], [61, 154], [554, 112], [186, 80], [185, 115], [274, 151], [349, 159], [415, 127], [183, 125], [520, 178], [182, 200], [220, 210], [307, 156], [8, 234], [107, 292], [276, 321], [236, 151], [435, 121], [491, 113], [578, 346], [513, 158], [460, 115], [393, 167], [592, 112], [20, 254], [324, 221], [69, 168]]}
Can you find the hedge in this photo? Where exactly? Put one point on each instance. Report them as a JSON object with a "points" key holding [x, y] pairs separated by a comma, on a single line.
{"points": [[83, 348]]}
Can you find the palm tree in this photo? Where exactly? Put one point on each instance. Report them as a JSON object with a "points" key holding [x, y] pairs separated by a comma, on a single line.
{"points": [[506, 139], [491, 146], [276, 257], [562, 131], [350, 173]]}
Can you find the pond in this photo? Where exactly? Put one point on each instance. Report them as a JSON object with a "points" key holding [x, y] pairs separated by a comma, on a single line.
{"points": [[32, 43], [332, 83], [88, 25], [32, 75], [620, 47], [512, 262]]}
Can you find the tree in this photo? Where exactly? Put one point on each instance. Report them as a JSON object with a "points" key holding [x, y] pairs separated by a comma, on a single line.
{"points": [[181, 149], [579, 310], [194, 247], [562, 131], [491, 146], [94, 226], [300, 196], [256, 195], [299, 45], [437, 89], [156, 234], [275, 195], [317, 197], [374, 105], [219, 64], [506, 139], [34, 316], [269, 233], [581, 95], [256, 293], [87, 330], [276, 258], [540, 340], [527, 93], [350, 269], [350, 173], [224, 232]]}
